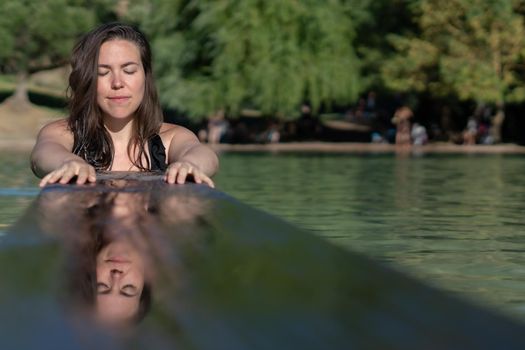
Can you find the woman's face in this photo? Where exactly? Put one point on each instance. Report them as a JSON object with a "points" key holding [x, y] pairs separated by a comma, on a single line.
{"points": [[121, 79], [120, 281]]}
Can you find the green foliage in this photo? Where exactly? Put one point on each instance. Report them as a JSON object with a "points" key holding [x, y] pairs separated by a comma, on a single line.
{"points": [[36, 35], [383, 17], [270, 55], [471, 48]]}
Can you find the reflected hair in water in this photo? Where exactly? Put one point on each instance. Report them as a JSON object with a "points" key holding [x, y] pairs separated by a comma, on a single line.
{"points": [[91, 140]]}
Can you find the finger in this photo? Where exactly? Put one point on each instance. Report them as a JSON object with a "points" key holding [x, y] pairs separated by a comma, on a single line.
{"points": [[171, 174], [197, 178], [52, 177], [92, 177], [208, 181], [67, 176], [82, 176], [181, 177], [45, 180]]}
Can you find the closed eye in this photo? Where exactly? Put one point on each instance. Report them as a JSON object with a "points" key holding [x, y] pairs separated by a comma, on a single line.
{"points": [[130, 71], [129, 291], [103, 288], [102, 73]]}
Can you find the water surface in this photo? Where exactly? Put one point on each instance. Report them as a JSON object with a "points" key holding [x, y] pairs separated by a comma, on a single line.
{"points": [[18, 186], [453, 221], [142, 264]]}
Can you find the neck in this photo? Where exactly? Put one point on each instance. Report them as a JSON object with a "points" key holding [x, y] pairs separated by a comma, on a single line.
{"points": [[121, 130]]}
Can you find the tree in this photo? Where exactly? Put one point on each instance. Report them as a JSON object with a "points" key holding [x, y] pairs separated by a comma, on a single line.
{"points": [[471, 48], [39, 35], [265, 54], [384, 17]]}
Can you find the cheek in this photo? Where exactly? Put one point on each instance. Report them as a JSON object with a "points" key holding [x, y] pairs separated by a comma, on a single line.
{"points": [[136, 277], [103, 83], [136, 274], [101, 90], [100, 269], [100, 275], [140, 86]]}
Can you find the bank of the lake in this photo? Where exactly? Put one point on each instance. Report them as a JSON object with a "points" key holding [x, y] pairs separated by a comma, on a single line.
{"points": [[327, 147], [373, 148]]}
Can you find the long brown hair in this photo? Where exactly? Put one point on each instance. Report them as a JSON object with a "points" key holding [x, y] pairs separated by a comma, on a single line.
{"points": [[91, 139]]}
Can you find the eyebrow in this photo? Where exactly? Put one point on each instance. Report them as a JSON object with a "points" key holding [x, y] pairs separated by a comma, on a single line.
{"points": [[122, 65]]}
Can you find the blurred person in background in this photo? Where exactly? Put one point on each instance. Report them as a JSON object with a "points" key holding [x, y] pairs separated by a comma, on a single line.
{"points": [[401, 119], [419, 134]]}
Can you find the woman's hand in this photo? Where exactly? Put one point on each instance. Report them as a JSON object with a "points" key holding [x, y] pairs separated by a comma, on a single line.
{"points": [[179, 171], [69, 169]]}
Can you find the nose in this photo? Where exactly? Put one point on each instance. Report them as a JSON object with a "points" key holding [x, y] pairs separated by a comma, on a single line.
{"points": [[116, 272], [116, 82]]}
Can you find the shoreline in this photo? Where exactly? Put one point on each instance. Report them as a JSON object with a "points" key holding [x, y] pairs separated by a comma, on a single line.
{"points": [[369, 148], [26, 144]]}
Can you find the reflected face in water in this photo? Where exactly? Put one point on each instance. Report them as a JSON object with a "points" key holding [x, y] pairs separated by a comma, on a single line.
{"points": [[120, 281]]}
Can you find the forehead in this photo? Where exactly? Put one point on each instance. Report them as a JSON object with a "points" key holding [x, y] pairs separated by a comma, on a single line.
{"points": [[118, 52]]}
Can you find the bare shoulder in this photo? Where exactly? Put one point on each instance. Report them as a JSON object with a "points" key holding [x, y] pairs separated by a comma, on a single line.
{"points": [[172, 132], [55, 127], [173, 129], [56, 131]]}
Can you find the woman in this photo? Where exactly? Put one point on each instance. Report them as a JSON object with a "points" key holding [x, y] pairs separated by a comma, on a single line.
{"points": [[115, 120]]}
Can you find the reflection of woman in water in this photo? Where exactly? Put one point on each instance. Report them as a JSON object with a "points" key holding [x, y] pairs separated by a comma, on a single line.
{"points": [[123, 292], [110, 270], [120, 239], [115, 287], [115, 121]]}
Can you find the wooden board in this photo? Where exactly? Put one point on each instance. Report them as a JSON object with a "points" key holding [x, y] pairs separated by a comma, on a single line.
{"points": [[224, 276]]}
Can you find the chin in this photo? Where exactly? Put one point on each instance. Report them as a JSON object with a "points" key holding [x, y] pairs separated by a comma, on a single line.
{"points": [[120, 115]]}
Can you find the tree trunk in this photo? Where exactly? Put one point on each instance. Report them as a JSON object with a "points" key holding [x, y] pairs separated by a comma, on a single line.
{"points": [[20, 99]]}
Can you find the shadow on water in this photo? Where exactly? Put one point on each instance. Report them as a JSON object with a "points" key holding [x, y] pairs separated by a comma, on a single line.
{"points": [[134, 261]]}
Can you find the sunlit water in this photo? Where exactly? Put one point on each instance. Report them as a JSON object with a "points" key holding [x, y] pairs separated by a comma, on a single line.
{"points": [[18, 187], [452, 221]]}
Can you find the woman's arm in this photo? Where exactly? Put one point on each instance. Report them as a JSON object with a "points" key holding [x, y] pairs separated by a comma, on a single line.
{"points": [[187, 156], [52, 160]]}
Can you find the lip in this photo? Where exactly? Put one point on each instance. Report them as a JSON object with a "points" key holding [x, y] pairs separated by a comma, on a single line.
{"points": [[119, 99], [118, 260]]}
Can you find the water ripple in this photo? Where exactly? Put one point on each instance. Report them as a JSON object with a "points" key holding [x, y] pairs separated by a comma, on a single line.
{"points": [[453, 221]]}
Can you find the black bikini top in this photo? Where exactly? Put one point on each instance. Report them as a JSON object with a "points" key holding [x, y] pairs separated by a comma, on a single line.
{"points": [[157, 153]]}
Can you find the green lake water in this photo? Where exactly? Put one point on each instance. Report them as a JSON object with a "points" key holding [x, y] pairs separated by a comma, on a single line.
{"points": [[453, 221]]}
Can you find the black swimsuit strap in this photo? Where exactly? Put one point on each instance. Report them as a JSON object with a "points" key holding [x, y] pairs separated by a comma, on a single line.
{"points": [[157, 153]]}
